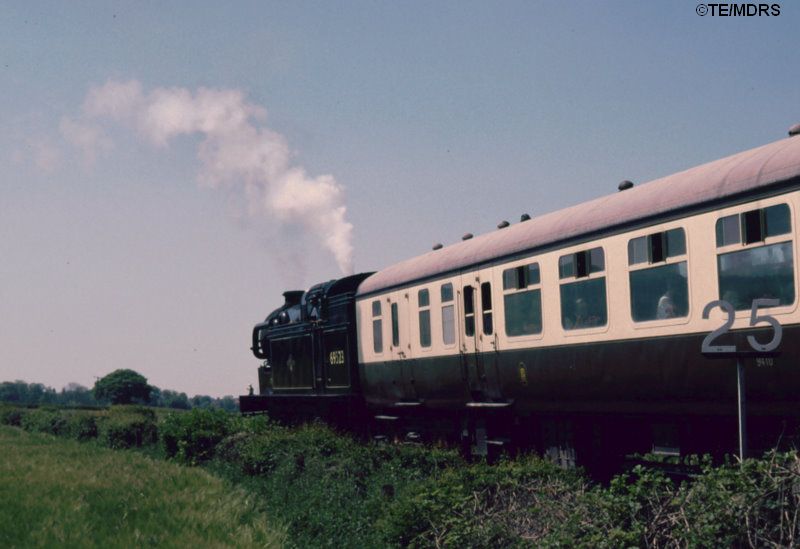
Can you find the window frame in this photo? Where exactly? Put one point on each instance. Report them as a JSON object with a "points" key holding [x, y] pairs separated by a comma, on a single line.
{"points": [[648, 264], [377, 317], [484, 295], [530, 287], [789, 236], [739, 212], [574, 278], [394, 318], [420, 310], [453, 304]]}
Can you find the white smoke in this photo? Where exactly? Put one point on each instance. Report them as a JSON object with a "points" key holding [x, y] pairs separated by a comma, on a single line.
{"points": [[88, 138], [236, 148]]}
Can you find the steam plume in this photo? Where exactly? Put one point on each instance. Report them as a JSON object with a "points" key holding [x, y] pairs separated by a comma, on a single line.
{"points": [[236, 148]]}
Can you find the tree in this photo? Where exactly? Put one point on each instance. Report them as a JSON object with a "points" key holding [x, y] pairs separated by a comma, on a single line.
{"points": [[202, 401], [75, 394], [228, 403], [122, 387], [174, 399]]}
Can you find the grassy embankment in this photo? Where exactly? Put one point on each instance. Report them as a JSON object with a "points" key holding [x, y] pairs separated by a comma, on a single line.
{"points": [[60, 493], [333, 491]]}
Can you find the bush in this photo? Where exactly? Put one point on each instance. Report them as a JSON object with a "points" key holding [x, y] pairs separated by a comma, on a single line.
{"points": [[81, 425], [128, 427], [331, 488], [483, 506], [11, 415], [191, 437], [44, 420]]}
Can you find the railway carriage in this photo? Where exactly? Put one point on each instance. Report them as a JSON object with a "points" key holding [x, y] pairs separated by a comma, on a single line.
{"points": [[577, 330]]}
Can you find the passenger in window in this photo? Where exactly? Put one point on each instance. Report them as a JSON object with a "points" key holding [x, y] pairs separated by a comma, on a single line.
{"points": [[733, 298], [530, 327], [666, 305], [582, 317]]}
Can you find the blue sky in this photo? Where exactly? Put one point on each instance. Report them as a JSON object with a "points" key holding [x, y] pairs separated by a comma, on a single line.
{"points": [[433, 119]]}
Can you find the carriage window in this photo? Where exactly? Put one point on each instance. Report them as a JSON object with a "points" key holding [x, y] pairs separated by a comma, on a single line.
{"points": [[659, 292], [763, 272], [446, 292], [728, 230], [395, 326], [523, 309], [424, 301], [754, 225], [423, 297], [581, 264], [377, 328], [583, 302], [776, 220], [656, 247], [760, 272], [637, 250], [521, 277], [486, 307], [675, 240], [469, 310], [566, 266], [448, 315]]}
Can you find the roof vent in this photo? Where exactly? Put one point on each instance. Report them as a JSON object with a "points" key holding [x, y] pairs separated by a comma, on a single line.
{"points": [[503, 224], [466, 236], [524, 217], [437, 246], [794, 130], [292, 297], [625, 185]]}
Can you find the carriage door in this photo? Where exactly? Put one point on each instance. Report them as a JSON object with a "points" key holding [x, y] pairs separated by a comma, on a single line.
{"points": [[402, 365], [479, 344], [335, 360]]}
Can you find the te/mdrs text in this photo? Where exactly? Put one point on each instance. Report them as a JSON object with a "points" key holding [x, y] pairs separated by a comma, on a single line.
{"points": [[739, 10]]}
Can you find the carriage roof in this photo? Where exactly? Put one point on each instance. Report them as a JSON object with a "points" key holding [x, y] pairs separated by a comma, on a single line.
{"points": [[747, 172]]}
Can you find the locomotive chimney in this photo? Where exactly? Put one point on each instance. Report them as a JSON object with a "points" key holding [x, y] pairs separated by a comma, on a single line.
{"points": [[292, 297], [625, 185]]}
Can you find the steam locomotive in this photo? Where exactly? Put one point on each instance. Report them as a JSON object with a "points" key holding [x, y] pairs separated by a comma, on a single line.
{"points": [[578, 332]]}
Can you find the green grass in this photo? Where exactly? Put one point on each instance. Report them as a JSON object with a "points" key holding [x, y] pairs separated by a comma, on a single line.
{"points": [[60, 493]]}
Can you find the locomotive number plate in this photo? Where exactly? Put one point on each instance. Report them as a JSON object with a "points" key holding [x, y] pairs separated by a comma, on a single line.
{"points": [[336, 357]]}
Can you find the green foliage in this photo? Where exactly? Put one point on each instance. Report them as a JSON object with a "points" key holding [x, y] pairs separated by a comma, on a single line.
{"points": [[20, 392], [191, 437], [128, 427], [11, 415], [484, 506], [81, 425], [58, 493], [332, 490], [122, 387], [77, 396], [329, 488], [44, 420]]}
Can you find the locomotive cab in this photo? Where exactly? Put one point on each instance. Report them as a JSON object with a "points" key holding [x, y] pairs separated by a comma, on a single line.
{"points": [[308, 346]]}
